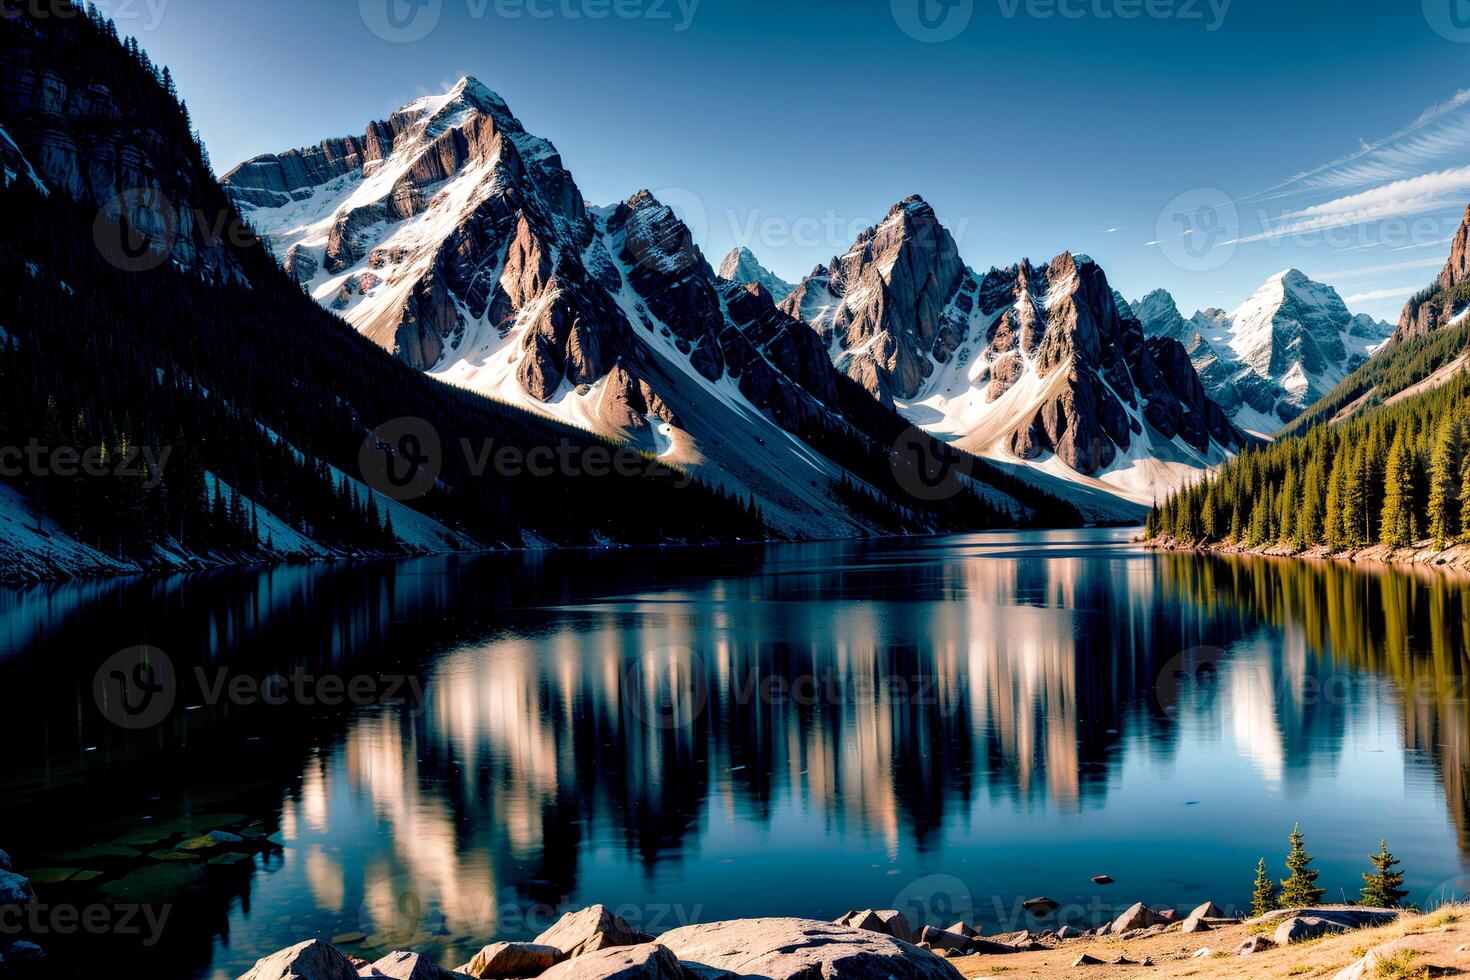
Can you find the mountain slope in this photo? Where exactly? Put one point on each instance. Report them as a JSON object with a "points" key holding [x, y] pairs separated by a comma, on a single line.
{"points": [[453, 238], [141, 317], [743, 267], [1276, 354], [1447, 302], [1427, 351], [1035, 366], [1382, 463]]}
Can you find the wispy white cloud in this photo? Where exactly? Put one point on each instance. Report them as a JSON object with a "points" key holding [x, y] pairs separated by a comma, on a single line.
{"points": [[1436, 134], [1375, 270], [1424, 194], [1392, 293]]}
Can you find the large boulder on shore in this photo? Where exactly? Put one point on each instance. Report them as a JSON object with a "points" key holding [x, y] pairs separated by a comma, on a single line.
{"points": [[890, 922], [400, 965], [589, 929], [311, 960], [788, 949], [646, 961], [1137, 916], [509, 961]]}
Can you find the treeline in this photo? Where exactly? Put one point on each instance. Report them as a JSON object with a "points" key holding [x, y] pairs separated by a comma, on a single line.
{"points": [[1395, 369], [1392, 477]]}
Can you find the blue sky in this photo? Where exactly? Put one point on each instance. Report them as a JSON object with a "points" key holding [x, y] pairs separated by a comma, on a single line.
{"points": [[1160, 136]]}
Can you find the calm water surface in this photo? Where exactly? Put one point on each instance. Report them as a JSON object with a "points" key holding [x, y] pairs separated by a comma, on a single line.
{"points": [[946, 725]]}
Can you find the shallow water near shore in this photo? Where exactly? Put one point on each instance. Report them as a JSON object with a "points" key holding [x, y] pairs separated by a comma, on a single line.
{"points": [[452, 750]]}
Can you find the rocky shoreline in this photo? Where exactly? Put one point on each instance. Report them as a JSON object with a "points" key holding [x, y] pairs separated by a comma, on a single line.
{"points": [[1422, 555], [870, 944]]}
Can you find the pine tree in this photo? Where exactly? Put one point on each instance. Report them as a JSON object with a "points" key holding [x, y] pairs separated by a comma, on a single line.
{"points": [[1381, 889], [1300, 890], [1332, 532], [1444, 485], [1398, 525], [1263, 897]]}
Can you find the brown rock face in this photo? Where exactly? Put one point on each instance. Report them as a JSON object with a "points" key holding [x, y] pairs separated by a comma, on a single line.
{"points": [[1427, 312], [883, 300]]}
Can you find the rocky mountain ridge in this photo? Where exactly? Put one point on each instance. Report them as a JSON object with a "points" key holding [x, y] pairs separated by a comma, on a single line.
{"points": [[1446, 303], [456, 240], [1034, 366], [1274, 356]]}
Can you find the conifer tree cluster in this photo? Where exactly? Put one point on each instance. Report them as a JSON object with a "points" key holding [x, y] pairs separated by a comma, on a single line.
{"points": [[1382, 887], [1394, 476]]}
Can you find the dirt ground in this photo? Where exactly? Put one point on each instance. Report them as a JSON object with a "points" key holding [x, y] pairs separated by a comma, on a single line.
{"points": [[1432, 945]]}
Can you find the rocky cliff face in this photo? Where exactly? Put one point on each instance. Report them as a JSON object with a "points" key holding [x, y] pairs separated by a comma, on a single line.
{"points": [[881, 304], [1280, 351], [89, 142], [1035, 364], [1445, 303]]}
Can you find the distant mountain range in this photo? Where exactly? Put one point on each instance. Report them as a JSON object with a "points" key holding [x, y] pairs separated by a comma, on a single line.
{"points": [[1270, 359]]}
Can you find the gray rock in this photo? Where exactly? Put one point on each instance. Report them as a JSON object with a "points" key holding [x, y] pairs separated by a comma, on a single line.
{"points": [[503, 961], [963, 928], [1301, 928], [645, 961], [1102, 880], [889, 922], [1352, 916], [401, 965], [1193, 924], [311, 960], [1087, 960], [15, 889], [1137, 916], [1209, 910], [1070, 932], [592, 928], [943, 938], [785, 949]]}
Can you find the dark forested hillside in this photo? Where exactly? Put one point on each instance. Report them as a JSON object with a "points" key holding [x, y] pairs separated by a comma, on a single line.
{"points": [[189, 364]]}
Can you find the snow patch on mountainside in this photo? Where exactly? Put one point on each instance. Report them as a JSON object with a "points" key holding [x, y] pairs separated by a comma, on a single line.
{"points": [[34, 548], [14, 165]]}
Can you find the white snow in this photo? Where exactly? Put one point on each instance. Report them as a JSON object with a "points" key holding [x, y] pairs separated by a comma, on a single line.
{"points": [[29, 172]]}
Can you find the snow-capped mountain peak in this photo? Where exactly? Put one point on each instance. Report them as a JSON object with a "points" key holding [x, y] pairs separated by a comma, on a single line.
{"points": [[742, 266], [1267, 360]]}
